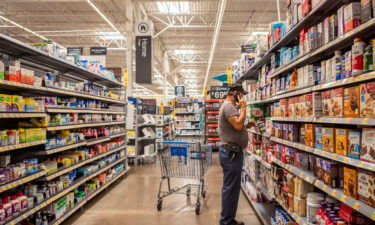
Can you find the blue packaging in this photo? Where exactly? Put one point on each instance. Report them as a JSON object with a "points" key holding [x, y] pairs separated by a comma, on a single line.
{"points": [[318, 138], [354, 144]]}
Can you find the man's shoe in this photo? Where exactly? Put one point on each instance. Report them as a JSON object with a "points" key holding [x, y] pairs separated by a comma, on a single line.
{"points": [[235, 222]]}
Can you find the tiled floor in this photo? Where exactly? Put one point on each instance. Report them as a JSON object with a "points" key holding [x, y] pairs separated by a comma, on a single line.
{"points": [[132, 201]]}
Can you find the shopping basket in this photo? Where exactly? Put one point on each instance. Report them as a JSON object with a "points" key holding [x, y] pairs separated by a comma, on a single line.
{"points": [[186, 161]]}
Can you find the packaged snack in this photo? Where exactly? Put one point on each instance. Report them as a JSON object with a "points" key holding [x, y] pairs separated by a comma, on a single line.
{"points": [[308, 105], [302, 135], [328, 139], [368, 145], [297, 106], [301, 160], [316, 109], [290, 107], [337, 102], [309, 135], [319, 168], [350, 182], [333, 174], [352, 102], [327, 104], [283, 107], [6, 100], [367, 105], [354, 143], [366, 187], [17, 103], [318, 137], [293, 132], [348, 64], [341, 141]]}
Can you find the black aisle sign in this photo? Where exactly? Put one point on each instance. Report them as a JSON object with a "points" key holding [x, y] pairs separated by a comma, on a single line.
{"points": [[179, 91], [143, 58], [247, 49], [74, 50], [218, 92], [98, 51]]}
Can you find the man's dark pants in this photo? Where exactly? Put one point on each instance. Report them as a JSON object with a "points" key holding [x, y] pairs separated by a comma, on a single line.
{"points": [[232, 168]]}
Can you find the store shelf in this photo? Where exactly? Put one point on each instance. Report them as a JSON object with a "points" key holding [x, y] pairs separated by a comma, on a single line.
{"points": [[23, 145], [187, 121], [264, 211], [187, 128], [259, 159], [328, 120], [22, 114], [293, 119], [186, 113], [80, 204], [188, 135], [117, 135], [97, 140], [146, 138], [77, 165], [75, 126], [300, 220], [318, 13], [340, 158], [262, 134], [305, 175], [23, 180], [17, 48], [75, 110], [146, 125], [61, 149]]}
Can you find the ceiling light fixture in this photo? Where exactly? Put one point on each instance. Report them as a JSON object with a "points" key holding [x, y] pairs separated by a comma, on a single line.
{"points": [[26, 29], [110, 35], [104, 17], [219, 20], [173, 7]]}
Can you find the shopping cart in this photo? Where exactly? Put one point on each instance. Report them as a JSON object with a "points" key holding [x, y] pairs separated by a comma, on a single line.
{"points": [[187, 161]]}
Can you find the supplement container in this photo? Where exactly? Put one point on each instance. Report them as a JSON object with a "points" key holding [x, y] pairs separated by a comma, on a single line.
{"points": [[358, 50], [313, 205]]}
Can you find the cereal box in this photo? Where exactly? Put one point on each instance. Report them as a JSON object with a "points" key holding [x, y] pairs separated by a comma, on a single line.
{"points": [[290, 107], [337, 102], [350, 182], [317, 107], [293, 132], [303, 106], [352, 102], [318, 137], [285, 131], [308, 105], [17, 103], [366, 187], [309, 135], [326, 100], [297, 106], [367, 105], [319, 168], [302, 135], [341, 141], [328, 135], [333, 174], [368, 145], [283, 107], [354, 144]]}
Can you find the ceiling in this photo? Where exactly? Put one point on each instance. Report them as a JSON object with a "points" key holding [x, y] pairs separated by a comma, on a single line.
{"points": [[183, 29]]}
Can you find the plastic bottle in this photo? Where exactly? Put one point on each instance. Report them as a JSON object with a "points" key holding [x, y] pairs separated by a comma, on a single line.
{"points": [[2, 214], [338, 65], [23, 201], [368, 61], [313, 205], [16, 205], [7, 207], [358, 50], [38, 219]]}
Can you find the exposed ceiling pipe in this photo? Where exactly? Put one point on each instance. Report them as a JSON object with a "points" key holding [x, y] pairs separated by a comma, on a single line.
{"points": [[219, 19], [278, 9], [105, 18]]}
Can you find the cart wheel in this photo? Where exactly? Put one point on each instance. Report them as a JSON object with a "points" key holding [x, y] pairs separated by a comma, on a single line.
{"points": [[197, 208], [204, 194], [188, 192], [160, 202]]}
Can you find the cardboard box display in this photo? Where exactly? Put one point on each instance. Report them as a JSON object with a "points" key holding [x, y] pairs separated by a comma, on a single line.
{"points": [[368, 145], [328, 135], [333, 174], [354, 144], [366, 10], [318, 137], [367, 105], [326, 101], [352, 14], [341, 141], [337, 102], [352, 102], [309, 135], [17, 103], [366, 187], [350, 182]]}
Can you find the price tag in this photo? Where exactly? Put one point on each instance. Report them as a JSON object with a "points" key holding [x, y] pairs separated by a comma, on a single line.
{"points": [[323, 153], [361, 164], [364, 121], [325, 187], [343, 198], [333, 193], [346, 160], [335, 156], [373, 216], [334, 120], [298, 220]]}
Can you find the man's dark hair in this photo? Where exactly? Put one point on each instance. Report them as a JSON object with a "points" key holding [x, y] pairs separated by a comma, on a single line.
{"points": [[234, 88]]}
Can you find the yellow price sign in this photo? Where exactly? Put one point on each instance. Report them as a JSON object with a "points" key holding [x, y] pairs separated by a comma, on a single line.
{"points": [[356, 205], [229, 74], [125, 77], [343, 198]]}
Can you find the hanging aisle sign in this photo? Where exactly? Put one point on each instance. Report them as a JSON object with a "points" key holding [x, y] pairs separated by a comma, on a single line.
{"points": [[143, 51], [229, 75], [74, 51], [98, 51], [179, 91]]}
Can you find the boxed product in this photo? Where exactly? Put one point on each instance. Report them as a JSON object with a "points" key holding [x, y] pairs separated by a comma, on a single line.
{"points": [[368, 145], [318, 137], [328, 135], [332, 176], [302, 135], [366, 187], [341, 141], [301, 160], [17, 103], [350, 182], [309, 135], [285, 128], [283, 107], [352, 102], [297, 106], [319, 168], [337, 102], [366, 10], [293, 132], [348, 64], [5, 103], [290, 111], [316, 107], [326, 100], [2, 70], [367, 105], [354, 144], [352, 14]]}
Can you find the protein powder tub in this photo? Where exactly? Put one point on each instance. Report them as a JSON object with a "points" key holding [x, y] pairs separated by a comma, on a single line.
{"points": [[312, 205]]}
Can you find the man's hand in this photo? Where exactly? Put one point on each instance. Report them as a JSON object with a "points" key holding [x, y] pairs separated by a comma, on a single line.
{"points": [[241, 103], [251, 123]]}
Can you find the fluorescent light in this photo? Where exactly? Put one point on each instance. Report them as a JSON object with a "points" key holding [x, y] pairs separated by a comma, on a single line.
{"points": [[111, 35], [184, 52], [104, 17], [259, 33], [173, 7]]}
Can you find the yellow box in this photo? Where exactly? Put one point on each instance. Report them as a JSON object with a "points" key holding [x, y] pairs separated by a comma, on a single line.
{"points": [[6, 102], [351, 182], [341, 143], [328, 139], [17, 103]]}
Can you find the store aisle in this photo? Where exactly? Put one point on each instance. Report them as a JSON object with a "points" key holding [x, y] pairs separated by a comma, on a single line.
{"points": [[133, 202]]}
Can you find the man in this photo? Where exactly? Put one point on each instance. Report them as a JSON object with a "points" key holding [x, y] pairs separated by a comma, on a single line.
{"points": [[234, 138]]}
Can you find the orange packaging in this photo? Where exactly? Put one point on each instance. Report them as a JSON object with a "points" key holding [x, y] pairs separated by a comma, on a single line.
{"points": [[337, 102], [297, 106], [341, 141], [327, 103], [290, 107], [351, 182], [309, 135], [283, 107], [328, 135], [352, 102]]}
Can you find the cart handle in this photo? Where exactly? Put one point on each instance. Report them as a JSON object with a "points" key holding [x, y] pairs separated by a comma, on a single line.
{"points": [[176, 142]]}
